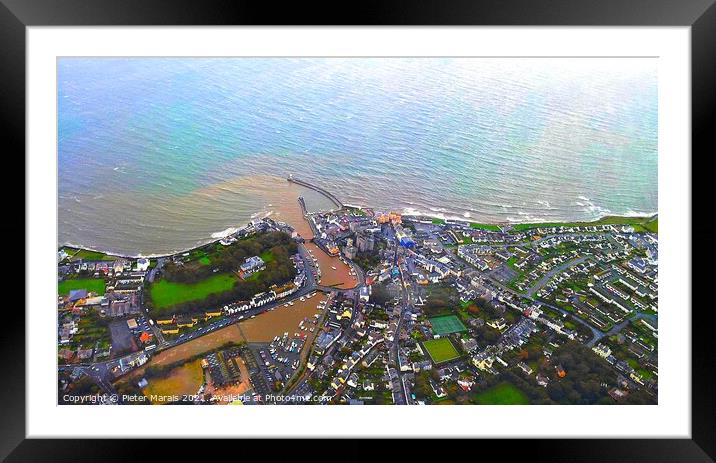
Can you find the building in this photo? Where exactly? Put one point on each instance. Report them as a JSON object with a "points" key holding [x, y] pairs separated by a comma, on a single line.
{"points": [[77, 294], [365, 242], [142, 264], [602, 350], [350, 252], [403, 238], [252, 265], [365, 292], [169, 329]]}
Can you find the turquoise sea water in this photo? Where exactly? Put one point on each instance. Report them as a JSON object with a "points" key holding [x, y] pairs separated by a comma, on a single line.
{"points": [[155, 155]]}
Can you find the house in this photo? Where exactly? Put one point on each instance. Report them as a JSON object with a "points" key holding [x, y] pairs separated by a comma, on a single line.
{"points": [[542, 380], [77, 294], [524, 367], [285, 290], [262, 298], [84, 354], [560, 371], [169, 329], [142, 264], [364, 293], [185, 321], [618, 394], [252, 265], [353, 380], [438, 390], [469, 345], [498, 324], [422, 365], [483, 361], [602, 350], [66, 354], [466, 382]]}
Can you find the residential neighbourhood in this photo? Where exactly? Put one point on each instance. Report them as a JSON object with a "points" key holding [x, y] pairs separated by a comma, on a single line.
{"points": [[430, 311]]}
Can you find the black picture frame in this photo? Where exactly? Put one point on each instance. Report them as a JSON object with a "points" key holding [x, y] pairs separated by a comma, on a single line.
{"points": [[700, 15]]}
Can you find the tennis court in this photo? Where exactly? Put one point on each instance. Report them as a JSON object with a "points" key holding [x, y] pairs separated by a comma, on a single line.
{"points": [[447, 324]]}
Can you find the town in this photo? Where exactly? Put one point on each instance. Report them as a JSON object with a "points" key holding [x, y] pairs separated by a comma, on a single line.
{"points": [[356, 306]]}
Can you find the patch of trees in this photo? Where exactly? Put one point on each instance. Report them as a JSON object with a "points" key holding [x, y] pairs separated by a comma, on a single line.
{"points": [[278, 271], [379, 294], [442, 298], [367, 260], [486, 336], [230, 258], [84, 386], [585, 373]]}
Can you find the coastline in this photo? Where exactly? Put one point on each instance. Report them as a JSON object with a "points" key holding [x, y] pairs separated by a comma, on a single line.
{"points": [[213, 239]]}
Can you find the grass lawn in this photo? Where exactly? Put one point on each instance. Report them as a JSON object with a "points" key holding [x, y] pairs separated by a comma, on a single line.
{"points": [[94, 285], [640, 224], [652, 226], [204, 260], [484, 226], [645, 374], [441, 350], [84, 254], [165, 294], [267, 256], [502, 394], [447, 324]]}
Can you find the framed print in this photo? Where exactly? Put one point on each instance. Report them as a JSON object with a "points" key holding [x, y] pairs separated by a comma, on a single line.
{"points": [[442, 222]]}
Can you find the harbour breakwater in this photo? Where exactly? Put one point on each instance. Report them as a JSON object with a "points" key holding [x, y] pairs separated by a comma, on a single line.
{"points": [[324, 192]]}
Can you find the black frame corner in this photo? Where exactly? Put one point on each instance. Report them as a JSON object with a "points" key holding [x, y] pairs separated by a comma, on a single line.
{"points": [[700, 15]]}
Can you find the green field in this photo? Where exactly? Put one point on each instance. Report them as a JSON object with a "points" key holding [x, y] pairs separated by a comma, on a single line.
{"points": [[447, 324], [484, 226], [166, 294], [441, 350], [502, 394], [640, 224], [84, 254], [94, 285], [267, 257]]}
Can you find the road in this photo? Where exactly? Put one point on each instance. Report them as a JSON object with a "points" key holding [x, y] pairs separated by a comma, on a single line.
{"points": [[406, 302], [551, 273], [596, 334]]}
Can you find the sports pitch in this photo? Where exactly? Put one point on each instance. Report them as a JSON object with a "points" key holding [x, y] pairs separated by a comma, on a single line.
{"points": [[441, 350], [446, 325]]}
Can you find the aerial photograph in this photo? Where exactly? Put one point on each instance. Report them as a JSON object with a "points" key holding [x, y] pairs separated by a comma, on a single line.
{"points": [[357, 231]]}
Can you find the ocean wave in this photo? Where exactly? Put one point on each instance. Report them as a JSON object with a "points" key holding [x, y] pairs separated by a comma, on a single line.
{"points": [[225, 233]]}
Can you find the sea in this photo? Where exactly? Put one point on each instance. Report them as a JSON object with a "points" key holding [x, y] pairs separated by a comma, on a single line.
{"points": [[158, 155]]}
